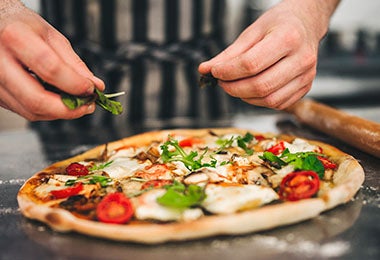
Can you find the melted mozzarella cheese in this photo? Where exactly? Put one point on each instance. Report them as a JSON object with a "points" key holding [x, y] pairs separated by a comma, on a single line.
{"points": [[229, 199], [300, 145], [122, 167], [147, 207], [127, 153]]}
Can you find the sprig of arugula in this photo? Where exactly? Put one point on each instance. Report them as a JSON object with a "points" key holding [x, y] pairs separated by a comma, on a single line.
{"points": [[101, 99], [300, 161], [242, 142], [90, 179], [73, 102], [180, 196], [192, 160]]}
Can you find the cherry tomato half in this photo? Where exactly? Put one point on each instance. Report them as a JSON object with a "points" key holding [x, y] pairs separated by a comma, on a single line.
{"points": [[327, 164], [68, 192], [188, 142], [77, 169], [114, 208], [277, 149], [299, 185]]}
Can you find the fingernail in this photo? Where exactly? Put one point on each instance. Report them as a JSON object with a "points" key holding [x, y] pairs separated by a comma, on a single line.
{"points": [[90, 109], [99, 83], [90, 90]]}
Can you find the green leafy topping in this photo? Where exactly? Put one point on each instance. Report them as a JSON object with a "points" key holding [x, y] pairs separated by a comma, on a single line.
{"points": [[300, 161], [90, 179], [107, 104], [73, 102], [274, 160], [180, 196], [242, 142], [101, 99], [98, 167], [191, 160]]}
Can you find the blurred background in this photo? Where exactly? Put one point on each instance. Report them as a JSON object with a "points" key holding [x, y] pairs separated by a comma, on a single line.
{"points": [[157, 50]]}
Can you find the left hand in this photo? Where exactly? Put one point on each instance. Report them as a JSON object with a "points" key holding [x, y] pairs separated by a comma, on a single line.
{"points": [[273, 62]]}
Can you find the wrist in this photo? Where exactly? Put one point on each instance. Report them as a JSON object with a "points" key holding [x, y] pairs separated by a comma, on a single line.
{"points": [[316, 13]]}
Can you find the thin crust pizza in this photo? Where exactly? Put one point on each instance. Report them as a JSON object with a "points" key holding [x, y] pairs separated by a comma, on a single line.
{"points": [[191, 183]]}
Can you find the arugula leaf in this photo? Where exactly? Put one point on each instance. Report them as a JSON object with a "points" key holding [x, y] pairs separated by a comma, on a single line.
{"points": [[274, 160], [242, 142], [101, 99], [107, 104], [98, 167], [180, 196], [300, 161], [73, 102], [191, 160], [90, 179]]}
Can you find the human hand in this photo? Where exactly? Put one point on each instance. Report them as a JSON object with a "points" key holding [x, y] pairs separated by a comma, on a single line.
{"points": [[29, 43], [273, 62]]}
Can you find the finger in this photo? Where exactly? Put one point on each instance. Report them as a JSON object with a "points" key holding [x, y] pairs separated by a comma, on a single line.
{"points": [[255, 60], [28, 98], [244, 42], [270, 80], [12, 104], [295, 97], [41, 59], [287, 94], [64, 50]]}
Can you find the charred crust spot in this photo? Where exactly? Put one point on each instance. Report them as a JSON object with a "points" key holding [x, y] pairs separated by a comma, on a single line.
{"points": [[53, 218]]}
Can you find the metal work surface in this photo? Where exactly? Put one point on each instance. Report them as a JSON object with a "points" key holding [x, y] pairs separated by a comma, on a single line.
{"points": [[347, 232]]}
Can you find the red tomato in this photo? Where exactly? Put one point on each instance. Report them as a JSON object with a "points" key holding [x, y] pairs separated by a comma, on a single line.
{"points": [[327, 164], [68, 192], [278, 148], [299, 185], [77, 169], [114, 208], [155, 184], [259, 137], [188, 142]]}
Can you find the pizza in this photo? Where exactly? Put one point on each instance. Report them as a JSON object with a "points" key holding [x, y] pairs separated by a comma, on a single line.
{"points": [[185, 184]]}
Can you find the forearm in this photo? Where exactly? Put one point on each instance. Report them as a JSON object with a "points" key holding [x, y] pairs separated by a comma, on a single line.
{"points": [[316, 13]]}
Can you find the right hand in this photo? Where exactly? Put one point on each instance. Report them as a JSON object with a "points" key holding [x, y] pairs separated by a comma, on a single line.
{"points": [[29, 43]]}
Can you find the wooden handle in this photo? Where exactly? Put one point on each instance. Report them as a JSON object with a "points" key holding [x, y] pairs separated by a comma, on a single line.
{"points": [[358, 132]]}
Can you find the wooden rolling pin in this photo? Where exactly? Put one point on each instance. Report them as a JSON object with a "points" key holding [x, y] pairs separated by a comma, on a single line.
{"points": [[358, 132]]}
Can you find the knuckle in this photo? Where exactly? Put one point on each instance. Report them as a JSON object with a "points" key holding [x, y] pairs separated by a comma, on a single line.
{"points": [[309, 59], [292, 38], [7, 33], [251, 66], [35, 107], [264, 88], [271, 101], [48, 65]]}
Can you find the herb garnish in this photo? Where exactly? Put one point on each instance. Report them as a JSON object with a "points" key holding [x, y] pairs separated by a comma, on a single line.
{"points": [[191, 160], [300, 161], [101, 99], [98, 167], [73, 102], [242, 142], [180, 196], [90, 179]]}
